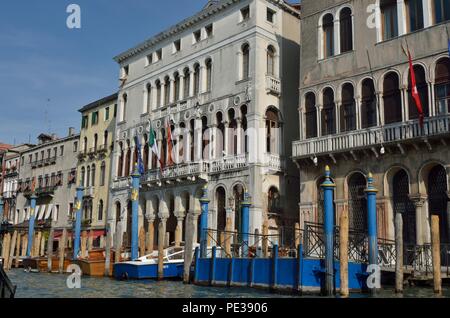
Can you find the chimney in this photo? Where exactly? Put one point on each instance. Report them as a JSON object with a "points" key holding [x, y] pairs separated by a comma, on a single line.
{"points": [[54, 137], [71, 131]]}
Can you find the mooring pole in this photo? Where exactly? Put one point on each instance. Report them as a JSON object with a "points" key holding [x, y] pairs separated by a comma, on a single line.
{"points": [[371, 192], [204, 201], [399, 252], [343, 252], [328, 188], [134, 212], [436, 254], [245, 223], [31, 224], [76, 240]]}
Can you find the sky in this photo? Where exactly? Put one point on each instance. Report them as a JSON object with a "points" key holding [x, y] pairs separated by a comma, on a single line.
{"points": [[48, 71]]}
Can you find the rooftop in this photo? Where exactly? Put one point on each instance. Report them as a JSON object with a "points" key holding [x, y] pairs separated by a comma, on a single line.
{"points": [[99, 102]]}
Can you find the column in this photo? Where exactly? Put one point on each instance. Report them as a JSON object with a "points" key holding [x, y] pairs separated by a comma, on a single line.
{"points": [[401, 17], [1, 210], [198, 139], [245, 223], [31, 224], [371, 193], [358, 112], [179, 231], [132, 160], [419, 201], [161, 242], [204, 202], [202, 78], [337, 36], [163, 94], [405, 103], [191, 83], [239, 135], [328, 187], [319, 120], [77, 206], [427, 13], [380, 110], [124, 159], [212, 141], [338, 115], [181, 90], [136, 177], [172, 91], [150, 234], [431, 99], [225, 139]]}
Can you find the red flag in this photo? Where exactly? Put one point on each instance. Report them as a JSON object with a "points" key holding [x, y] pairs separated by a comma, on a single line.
{"points": [[414, 91], [33, 184], [169, 144]]}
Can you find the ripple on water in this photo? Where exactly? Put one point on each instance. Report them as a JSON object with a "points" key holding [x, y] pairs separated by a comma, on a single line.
{"points": [[44, 285]]}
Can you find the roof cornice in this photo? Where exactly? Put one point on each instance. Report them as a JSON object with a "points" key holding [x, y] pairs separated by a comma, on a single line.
{"points": [[191, 21]]}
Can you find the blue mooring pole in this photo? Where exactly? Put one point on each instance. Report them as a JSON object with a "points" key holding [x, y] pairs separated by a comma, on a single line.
{"points": [[328, 188], [1, 210], [245, 223], [204, 201], [31, 224], [371, 192], [136, 177], [78, 207]]}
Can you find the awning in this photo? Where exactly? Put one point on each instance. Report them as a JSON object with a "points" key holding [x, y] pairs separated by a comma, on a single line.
{"points": [[49, 211], [41, 213], [36, 211]]}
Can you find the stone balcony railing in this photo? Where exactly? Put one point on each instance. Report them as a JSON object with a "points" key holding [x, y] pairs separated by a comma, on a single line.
{"points": [[367, 138], [88, 192], [229, 163], [274, 162], [273, 85]]}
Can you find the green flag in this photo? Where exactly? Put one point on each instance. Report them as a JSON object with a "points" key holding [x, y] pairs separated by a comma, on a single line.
{"points": [[153, 144]]}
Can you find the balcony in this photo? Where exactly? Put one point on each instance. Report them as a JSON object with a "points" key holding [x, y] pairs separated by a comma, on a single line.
{"points": [[102, 149], [177, 171], [393, 134], [49, 161], [82, 154], [88, 192], [273, 85], [229, 163], [9, 194], [274, 162]]}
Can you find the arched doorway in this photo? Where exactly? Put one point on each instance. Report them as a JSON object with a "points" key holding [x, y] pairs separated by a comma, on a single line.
{"points": [[172, 221], [220, 208], [238, 194], [438, 199], [274, 211], [403, 204], [357, 202]]}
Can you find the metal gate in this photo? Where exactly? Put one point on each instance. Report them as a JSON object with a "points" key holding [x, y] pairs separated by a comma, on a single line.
{"points": [[437, 199], [357, 203]]}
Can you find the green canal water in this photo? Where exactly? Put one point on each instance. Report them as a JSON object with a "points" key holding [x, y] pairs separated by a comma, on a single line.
{"points": [[43, 285]]}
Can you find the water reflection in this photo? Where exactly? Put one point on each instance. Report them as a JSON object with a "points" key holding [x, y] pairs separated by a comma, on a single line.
{"points": [[43, 285]]}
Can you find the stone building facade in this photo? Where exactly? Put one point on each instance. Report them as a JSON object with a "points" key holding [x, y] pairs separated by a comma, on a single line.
{"points": [[52, 165], [94, 162], [225, 80], [358, 116]]}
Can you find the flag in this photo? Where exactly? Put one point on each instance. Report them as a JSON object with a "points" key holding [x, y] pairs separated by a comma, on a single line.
{"points": [[414, 91], [139, 155], [169, 144], [154, 145], [33, 184]]}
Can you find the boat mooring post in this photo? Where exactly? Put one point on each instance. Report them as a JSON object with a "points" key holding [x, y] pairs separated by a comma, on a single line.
{"points": [[204, 201], [31, 224], [371, 192], [328, 188], [78, 204], [245, 222], [135, 183], [436, 254]]}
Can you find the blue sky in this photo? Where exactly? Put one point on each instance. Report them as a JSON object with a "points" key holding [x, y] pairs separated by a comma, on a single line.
{"points": [[41, 59]]}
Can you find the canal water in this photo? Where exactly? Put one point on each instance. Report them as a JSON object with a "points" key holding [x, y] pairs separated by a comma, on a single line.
{"points": [[44, 285]]}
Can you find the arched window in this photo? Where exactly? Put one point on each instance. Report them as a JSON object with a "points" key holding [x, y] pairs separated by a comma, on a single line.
{"points": [[328, 113], [158, 94], [221, 209], [422, 88], [389, 18], [245, 61], [392, 99], [88, 177], [95, 142], [346, 30], [124, 107], [271, 61], [82, 177], [148, 100], [187, 82], [196, 79], [357, 216], [192, 139], [403, 204], [244, 126], [166, 90], [208, 75], [100, 211], [328, 35], [93, 175], [220, 135], [85, 145], [310, 115], [102, 174], [441, 10], [348, 109], [442, 86], [120, 163], [176, 84], [414, 8], [437, 191], [273, 202], [128, 160], [118, 212], [205, 139], [368, 104], [272, 131]]}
